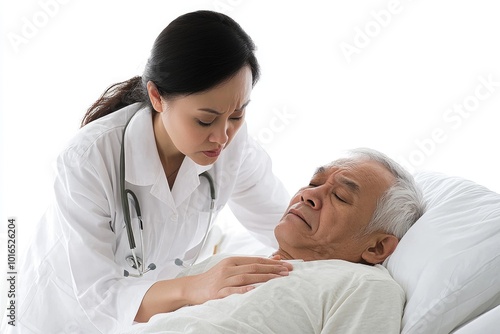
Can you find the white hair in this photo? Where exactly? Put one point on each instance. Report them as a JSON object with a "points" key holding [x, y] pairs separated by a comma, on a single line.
{"points": [[401, 205]]}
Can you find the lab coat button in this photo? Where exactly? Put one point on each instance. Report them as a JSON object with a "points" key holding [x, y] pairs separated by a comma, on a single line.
{"points": [[173, 217]]}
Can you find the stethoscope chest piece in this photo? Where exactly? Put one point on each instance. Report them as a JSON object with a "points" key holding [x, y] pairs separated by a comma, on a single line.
{"points": [[131, 262]]}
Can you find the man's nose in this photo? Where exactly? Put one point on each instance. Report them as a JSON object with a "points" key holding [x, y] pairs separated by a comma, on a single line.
{"points": [[311, 197]]}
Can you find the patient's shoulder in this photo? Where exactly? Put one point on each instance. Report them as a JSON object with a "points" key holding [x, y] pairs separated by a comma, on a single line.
{"points": [[340, 271]]}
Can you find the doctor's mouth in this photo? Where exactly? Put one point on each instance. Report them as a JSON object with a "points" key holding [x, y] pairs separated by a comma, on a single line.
{"points": [[213, 153]]}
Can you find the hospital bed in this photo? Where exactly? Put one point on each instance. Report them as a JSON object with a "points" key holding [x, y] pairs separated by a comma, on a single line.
{"points": [[448, 263]]}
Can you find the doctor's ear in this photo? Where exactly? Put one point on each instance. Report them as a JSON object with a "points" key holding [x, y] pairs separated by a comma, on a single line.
{"points": [[154, 96], [381, 247]]}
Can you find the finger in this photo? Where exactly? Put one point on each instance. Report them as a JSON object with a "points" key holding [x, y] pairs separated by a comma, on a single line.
{"points": [[248, 279], [256, 268], [232, 290], [244, 260]]}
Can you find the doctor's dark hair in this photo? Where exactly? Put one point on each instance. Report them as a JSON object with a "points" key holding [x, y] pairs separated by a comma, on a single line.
{"points": [[195, 52]]}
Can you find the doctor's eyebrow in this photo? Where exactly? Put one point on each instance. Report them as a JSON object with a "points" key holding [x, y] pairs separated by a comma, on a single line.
{"points": [[213, 111]]}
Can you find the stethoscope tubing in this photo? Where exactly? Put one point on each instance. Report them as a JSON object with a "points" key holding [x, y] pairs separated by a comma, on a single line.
{"points": [[125, 193]]}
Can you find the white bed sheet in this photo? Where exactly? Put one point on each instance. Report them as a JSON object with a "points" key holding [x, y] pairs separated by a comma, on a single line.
{"points": [[487, 323]]}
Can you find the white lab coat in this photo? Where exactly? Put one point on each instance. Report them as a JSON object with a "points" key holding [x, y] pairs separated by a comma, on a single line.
{"points": [[72, 279]]}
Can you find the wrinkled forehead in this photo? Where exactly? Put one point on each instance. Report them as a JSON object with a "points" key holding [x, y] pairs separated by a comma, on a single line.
{"points": [[357, 172]]}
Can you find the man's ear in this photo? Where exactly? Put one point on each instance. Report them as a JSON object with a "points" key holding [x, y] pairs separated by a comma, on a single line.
{"points": [[154, 96], [381, 246]]}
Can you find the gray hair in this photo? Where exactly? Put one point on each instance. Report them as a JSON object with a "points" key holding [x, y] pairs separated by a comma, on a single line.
{"points": [[401, 205]]}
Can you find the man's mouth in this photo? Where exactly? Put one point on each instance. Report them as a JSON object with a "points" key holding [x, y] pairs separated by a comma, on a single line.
{"points": [[298, 214]]}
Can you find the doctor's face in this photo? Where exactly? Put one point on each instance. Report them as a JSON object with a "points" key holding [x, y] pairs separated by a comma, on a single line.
{"points": [[201, 125], [326, 219]]}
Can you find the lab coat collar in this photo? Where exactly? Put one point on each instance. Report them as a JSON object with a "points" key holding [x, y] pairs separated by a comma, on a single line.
{"points": [[143, 164], [142, 161]]}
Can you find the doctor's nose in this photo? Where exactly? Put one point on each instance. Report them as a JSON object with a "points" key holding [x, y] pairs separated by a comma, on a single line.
{"points": [[220, 135]]}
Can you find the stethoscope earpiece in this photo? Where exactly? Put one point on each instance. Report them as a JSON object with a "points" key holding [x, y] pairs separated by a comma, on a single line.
{"points": [[130, 260], [180, 263], [151, 266]]}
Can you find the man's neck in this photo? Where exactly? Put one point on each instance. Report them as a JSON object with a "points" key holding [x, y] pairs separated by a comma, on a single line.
{"points": [[283, 255]]}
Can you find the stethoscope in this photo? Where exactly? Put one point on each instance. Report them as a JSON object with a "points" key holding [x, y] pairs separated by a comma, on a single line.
{"points": [[134, 260]]}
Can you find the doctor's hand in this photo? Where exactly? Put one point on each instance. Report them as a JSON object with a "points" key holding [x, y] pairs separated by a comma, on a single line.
{"points": [[231, 275], [235, 275]]}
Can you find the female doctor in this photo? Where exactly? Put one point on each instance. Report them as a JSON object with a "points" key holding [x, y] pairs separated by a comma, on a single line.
{"points": [[138, 187]]}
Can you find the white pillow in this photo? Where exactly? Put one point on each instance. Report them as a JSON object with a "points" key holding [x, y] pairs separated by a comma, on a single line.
{"points": [[449, 261]]}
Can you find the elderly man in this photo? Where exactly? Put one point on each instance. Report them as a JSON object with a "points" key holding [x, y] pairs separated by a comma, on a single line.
{"points": [[336, 232]]}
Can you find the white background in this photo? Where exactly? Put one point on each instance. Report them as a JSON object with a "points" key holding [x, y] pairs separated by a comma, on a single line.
{"points": [[410, 64]]}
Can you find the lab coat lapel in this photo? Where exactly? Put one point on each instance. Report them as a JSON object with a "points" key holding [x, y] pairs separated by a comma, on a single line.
{"points": [[143, 164], [187, 180]]}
